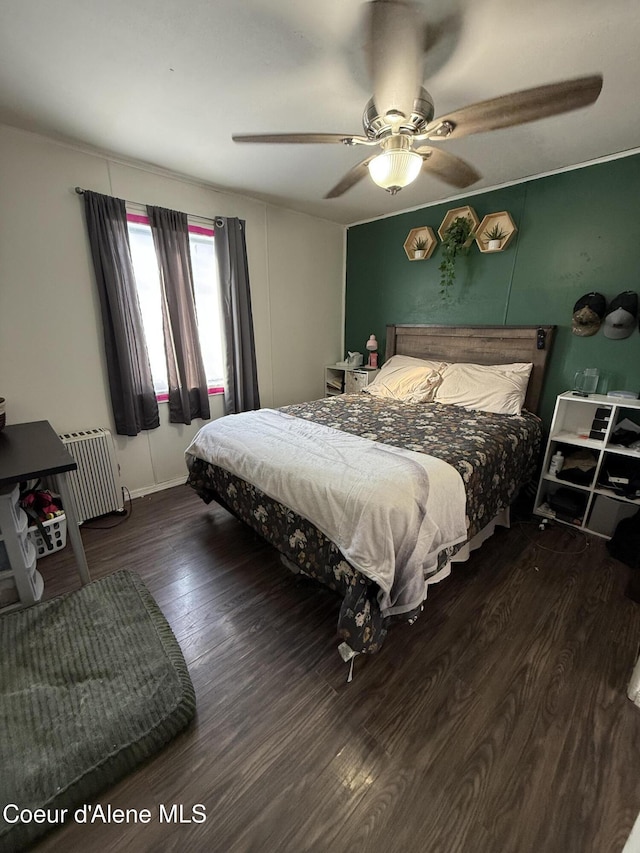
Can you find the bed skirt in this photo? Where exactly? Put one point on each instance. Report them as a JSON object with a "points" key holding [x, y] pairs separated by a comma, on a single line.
{"points": [[360, 623]]}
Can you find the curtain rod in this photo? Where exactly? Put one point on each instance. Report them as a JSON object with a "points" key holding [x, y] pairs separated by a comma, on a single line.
{"points": [[215, 219], [82, 191]]}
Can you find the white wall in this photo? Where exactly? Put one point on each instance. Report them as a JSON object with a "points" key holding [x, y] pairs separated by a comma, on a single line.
{"points": [[52, 363]]}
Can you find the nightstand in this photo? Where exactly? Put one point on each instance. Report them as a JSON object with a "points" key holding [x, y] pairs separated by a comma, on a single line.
{"points": [[347, 380]]}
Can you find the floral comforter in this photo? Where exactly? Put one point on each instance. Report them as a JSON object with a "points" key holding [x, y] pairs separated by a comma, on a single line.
{"points": [[495, 455]]}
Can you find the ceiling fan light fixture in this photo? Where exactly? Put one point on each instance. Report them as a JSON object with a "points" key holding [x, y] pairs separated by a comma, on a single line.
{"points": [[394, 169]]}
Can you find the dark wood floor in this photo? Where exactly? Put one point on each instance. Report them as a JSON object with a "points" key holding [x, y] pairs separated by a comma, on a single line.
{"points": [[498, 723]]}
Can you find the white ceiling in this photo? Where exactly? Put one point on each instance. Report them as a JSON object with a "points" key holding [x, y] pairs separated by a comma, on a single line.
{"points": [[168, 81]]}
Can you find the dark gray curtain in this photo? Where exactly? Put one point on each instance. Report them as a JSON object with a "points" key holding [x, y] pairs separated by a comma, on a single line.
{"points": [[188, 395], [241, 376], [131, 386]]}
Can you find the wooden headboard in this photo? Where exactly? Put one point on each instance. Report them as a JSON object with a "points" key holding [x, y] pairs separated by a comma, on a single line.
{"points": [[478, 345]]}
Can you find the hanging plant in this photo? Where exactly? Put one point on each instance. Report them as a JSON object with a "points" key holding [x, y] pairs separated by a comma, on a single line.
{"points": [[456, 241]]}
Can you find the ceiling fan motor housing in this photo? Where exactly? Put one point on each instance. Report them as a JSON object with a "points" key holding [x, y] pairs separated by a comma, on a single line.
{"points": [[377, 126]]}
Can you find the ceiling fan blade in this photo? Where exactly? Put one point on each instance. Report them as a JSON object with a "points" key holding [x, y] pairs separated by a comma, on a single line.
{"points": [[352, 177], [301, 138], [516, 108], [395, 54], [449, 168]]}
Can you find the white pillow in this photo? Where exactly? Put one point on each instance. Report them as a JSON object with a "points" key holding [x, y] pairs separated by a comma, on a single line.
{"points": [[408, 379], [498, 388]]}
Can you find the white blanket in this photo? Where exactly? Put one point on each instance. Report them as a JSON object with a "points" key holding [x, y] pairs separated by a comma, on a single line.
{"points": [[389, 511]]}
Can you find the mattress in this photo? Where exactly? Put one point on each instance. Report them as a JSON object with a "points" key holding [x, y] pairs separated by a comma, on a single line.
{"points": [[495, 455]]}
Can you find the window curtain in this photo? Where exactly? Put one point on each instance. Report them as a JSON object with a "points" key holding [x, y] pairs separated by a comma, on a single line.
{"points": [[133, 398], [241, 376], [188, 394]]}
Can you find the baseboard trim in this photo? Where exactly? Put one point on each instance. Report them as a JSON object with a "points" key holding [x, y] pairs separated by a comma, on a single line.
{"points": [[158, 487]]}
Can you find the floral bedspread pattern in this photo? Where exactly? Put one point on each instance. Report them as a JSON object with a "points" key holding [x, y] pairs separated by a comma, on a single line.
{"points": [[495, 455]]}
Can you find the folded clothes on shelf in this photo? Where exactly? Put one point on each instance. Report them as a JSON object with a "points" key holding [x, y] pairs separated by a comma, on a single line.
{"points": [[579, 467]]}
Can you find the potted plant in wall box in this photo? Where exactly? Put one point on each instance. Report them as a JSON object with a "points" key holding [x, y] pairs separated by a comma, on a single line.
{"points": [[493, 237], [456, 240], [419, 248]]}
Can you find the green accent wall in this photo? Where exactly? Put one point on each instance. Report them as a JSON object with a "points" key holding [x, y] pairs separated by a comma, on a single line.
{"points": [[577, 231]]}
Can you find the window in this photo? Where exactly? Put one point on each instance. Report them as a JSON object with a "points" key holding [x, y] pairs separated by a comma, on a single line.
{"points": [[206, 288]]}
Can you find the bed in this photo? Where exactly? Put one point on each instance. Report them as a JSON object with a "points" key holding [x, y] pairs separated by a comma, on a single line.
{"points": [[457, 469]]}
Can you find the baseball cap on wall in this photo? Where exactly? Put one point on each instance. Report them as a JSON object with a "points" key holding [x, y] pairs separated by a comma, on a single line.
{"points": [[620, 319], [587, 314]]}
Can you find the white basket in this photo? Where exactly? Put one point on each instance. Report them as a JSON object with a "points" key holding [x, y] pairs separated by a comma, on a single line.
{"points": [[57, 530]]}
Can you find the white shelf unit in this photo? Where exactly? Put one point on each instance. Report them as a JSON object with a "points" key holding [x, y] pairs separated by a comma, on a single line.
{"points": [[572, 422], [346, 380], [20, 583]]}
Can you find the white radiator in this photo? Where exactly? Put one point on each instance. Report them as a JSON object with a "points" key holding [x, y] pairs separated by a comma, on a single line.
{"points": [[95, 486]]}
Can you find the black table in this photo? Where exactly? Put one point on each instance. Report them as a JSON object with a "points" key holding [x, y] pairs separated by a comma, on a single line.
{"points": [[32, 450]]}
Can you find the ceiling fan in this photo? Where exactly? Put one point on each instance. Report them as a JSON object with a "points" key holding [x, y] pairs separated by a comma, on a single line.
{"points": [[401, 112]]}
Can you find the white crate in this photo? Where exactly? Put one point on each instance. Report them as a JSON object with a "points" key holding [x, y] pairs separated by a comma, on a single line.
{"points": [[57, 530]]}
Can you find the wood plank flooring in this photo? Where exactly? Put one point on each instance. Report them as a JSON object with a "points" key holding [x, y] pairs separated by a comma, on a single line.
{"points": [[498, 723]]}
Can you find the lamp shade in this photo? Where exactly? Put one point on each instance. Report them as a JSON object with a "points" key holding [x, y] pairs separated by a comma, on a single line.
{"points": [[395, 168]]}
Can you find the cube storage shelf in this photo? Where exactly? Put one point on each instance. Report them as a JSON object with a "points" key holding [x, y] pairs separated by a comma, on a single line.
{"points": [[600, 508]]}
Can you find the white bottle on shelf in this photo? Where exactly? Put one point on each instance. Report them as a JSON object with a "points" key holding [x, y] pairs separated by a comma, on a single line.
{"points": [[557, 461]]}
